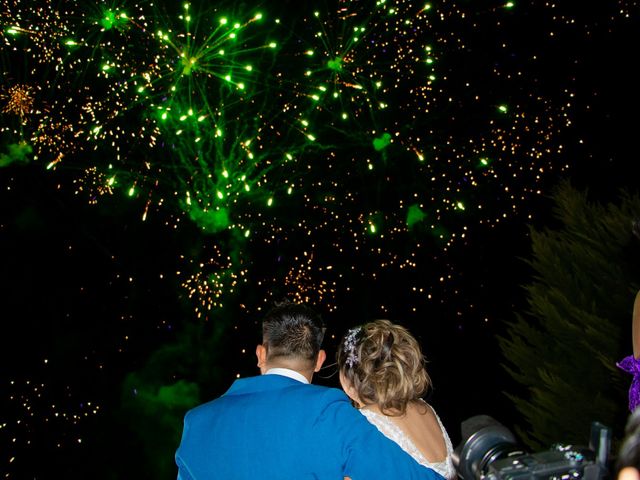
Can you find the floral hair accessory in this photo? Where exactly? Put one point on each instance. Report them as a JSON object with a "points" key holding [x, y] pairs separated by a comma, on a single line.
{"points": [[349, 346]]}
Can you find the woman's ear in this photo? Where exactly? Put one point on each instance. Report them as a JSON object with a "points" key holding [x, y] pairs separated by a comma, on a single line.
{"points": [[348, 388]]}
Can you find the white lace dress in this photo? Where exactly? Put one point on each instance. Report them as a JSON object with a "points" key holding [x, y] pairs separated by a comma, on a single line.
{"points": [[393, 432]]}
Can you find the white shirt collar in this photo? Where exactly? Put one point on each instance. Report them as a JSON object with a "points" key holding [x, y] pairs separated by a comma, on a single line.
{"points": [[286, 372]]}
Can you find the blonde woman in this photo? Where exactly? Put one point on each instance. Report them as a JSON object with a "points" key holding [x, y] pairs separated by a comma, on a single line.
{"points": [[382, 370]]}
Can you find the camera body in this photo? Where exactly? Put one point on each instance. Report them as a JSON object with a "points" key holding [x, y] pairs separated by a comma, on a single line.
{"points": [[559, 462], [489, 451]]}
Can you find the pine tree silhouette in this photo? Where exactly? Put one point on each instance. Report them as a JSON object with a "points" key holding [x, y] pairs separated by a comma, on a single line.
{"points": [[563, 350]]}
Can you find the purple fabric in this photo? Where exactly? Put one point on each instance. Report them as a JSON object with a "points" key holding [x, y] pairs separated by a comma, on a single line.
{"points": [[632, 365]]}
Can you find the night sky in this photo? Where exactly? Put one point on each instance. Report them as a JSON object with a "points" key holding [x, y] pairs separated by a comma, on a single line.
{"points": [[168, 171]]}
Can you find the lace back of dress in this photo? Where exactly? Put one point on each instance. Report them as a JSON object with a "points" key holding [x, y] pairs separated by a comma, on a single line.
{"points": [[395, 433]]}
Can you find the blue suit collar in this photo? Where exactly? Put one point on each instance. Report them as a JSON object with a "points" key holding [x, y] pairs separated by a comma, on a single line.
{"points": [[261, 383]]}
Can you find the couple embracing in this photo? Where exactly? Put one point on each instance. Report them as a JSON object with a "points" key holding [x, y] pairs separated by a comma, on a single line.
{"points": [[278, 426]]}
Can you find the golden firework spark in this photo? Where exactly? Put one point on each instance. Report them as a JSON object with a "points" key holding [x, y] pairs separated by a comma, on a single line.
{"points": [[19, 100]]}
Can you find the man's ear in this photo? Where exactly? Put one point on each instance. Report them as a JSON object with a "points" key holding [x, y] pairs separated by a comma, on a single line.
{"points": [[322, 356], [261, 355], [628, 473]]}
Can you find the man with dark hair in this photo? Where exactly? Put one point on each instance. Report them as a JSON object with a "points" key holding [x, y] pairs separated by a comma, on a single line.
{"points": [[279, 426], [291, 338]]}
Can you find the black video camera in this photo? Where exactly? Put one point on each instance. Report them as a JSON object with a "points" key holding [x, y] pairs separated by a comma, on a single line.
{"points": [[489, 451]]}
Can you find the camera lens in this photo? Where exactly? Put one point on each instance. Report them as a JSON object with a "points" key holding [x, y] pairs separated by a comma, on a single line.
{"points": [[484, 440]]}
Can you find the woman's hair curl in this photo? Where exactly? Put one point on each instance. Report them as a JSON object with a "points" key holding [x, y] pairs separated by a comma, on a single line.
{"points": [[384, 364]]}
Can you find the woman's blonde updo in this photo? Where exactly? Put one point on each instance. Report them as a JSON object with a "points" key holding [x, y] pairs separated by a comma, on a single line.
{"points": [[384, 365]]}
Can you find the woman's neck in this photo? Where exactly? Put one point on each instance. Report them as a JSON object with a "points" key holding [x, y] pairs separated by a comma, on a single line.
{"points": [[373, 407]]}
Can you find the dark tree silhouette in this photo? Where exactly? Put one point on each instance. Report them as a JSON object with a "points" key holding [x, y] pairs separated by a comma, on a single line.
{"points": [[563, 350]]}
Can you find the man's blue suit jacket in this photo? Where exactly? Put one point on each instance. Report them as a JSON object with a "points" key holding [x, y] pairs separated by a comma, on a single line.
{"points": [[273, 427]]}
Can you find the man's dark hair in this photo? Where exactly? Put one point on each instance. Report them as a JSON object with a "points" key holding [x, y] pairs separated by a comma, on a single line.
{"points": [[629, 454], [292, 330]]}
